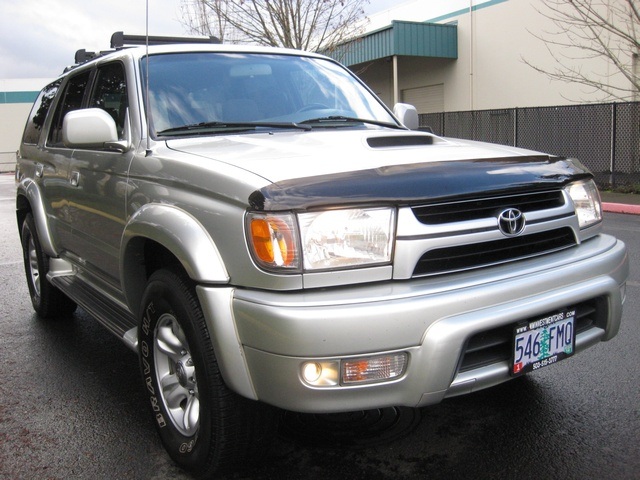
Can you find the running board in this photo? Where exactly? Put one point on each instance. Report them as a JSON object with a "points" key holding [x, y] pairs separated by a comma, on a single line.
{"points": [[117, 319]]}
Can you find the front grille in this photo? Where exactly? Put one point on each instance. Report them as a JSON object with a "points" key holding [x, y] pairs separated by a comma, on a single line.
{"points": [[477, 255], [494, 346], [437, 214]]}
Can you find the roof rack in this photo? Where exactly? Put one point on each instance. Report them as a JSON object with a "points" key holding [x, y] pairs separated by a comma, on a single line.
{"points": [[82, 56], [120, 40]]}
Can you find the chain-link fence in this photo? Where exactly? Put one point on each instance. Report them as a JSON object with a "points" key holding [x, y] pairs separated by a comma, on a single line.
{"points": [[605, 137]]}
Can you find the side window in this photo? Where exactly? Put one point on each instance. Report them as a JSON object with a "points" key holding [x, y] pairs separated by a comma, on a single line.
{"points": [[39, 113], [110, 94], [71, 100]]}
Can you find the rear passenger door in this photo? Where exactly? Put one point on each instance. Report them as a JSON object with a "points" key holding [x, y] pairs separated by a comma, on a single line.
{"points": [[54, 169]]}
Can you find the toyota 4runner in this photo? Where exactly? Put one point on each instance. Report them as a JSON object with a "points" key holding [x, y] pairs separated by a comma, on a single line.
{"points": [[265, 233]]}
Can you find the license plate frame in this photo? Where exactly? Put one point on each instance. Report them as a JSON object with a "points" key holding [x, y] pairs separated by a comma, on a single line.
{"points": [[543, 341]]}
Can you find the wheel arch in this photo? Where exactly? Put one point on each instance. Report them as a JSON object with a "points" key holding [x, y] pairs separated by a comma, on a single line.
{"points": [[161, 235], [29, 200]]}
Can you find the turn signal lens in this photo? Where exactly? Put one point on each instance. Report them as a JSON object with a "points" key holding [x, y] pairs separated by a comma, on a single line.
{"points": [[273, 240], [373, 369], [586, 201]]}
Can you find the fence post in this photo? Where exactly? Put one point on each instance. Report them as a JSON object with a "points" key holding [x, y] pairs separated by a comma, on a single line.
{"points": [[515, 127], [612, 164]]}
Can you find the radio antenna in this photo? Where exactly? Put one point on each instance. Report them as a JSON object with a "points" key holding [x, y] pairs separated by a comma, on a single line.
{"points": [[146, 81]]}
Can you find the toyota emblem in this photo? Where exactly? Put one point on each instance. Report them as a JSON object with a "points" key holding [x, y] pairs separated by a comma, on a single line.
{"points": [[511, 222]]}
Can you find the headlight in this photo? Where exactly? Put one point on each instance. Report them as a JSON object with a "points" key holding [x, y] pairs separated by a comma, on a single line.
{"points": [[586, 201], [347, 238], [324, 240]]}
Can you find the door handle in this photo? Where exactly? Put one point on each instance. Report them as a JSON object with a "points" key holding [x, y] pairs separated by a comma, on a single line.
{"points": [[75, 179]]}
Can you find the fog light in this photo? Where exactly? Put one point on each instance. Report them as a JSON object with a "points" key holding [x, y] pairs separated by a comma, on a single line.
{"points": [[320, 374], [311, 372], [373, 369]]}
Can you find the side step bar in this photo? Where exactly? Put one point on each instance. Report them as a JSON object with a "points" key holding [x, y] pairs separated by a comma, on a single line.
{"points": [[117, 319]]}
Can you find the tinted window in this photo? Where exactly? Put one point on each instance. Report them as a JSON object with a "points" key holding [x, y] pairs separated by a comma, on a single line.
{"points": [[39, 113], [71, 100], [110, 94]]}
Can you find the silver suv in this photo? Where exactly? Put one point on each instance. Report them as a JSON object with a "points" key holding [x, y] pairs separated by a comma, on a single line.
{"points": [[264, 232]]}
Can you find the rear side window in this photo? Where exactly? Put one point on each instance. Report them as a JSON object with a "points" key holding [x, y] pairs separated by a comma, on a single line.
{"points": [[71, 100], [39, 113]]}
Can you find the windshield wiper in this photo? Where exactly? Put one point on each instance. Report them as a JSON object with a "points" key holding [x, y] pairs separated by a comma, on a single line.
{"points": [[339, 120], [236, 126]]}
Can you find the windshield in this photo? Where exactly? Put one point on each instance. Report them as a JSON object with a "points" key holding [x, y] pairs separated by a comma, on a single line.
{"points": [[222, 90]]}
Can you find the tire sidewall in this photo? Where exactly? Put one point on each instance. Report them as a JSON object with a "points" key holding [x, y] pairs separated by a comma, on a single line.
{"points": [[50, 302], [29, 233], [165, 294]]}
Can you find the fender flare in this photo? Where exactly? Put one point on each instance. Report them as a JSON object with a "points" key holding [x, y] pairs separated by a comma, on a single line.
{"points": [[180, 233], [31, 191]]}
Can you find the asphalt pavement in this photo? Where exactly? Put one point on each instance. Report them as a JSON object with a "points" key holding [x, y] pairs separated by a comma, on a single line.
{"points": [[72, 405]]}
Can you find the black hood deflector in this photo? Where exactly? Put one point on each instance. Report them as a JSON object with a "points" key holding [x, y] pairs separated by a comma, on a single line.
{"points": [[431, 182]]}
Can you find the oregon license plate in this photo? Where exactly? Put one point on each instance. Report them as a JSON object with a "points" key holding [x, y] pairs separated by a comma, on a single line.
{"points": [[543, 342]]}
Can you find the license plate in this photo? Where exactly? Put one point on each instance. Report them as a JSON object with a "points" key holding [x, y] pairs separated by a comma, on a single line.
{"points": [[543, 342]]}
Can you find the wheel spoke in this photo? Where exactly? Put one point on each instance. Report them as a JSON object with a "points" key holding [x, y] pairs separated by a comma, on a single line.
{"points": [[173, 393], [192, 413], [169, 343]]}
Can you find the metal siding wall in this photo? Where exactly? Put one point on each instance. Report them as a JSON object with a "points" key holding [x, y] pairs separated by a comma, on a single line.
{"points": [[404, 39], [425, 40], [13, 117]]}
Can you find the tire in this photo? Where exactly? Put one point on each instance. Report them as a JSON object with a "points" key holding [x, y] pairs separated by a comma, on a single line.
{"points": [[203, 425], [47, 300]]}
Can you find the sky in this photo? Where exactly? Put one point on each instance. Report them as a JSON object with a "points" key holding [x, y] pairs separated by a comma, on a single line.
{"points": [[38, 38]]}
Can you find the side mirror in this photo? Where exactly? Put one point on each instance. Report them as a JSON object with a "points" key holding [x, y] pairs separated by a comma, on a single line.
{"points": [[407, 114], [90, 128]]}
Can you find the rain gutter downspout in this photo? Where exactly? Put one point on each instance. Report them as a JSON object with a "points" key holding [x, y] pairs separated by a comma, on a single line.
{"points": [[396, 91]]}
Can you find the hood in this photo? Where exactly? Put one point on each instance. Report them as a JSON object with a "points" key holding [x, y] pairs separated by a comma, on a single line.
{"points": [[308, 169]]}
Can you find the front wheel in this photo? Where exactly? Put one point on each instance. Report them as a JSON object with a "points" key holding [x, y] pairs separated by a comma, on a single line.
{"points": [[203, 425]]}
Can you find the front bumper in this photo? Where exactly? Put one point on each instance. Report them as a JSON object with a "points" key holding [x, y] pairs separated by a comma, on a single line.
{"points": [[263, 338]]}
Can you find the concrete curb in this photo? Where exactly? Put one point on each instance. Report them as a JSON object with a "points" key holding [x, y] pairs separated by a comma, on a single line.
{"points": [[621, 208]]}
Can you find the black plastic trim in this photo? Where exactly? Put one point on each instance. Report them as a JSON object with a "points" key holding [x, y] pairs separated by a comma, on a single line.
{"points": [[421, 183]]}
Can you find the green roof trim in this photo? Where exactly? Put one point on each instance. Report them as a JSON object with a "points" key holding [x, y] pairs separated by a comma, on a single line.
{"points": [[412, 39], [463, 11], [18, 97]]}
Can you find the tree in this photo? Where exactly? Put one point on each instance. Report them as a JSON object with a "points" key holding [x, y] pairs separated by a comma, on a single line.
{"points": [[301, 24], [586, 30]]}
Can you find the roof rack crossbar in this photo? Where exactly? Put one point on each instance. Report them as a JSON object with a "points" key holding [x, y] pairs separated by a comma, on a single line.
{"points": [[119, 40]]}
